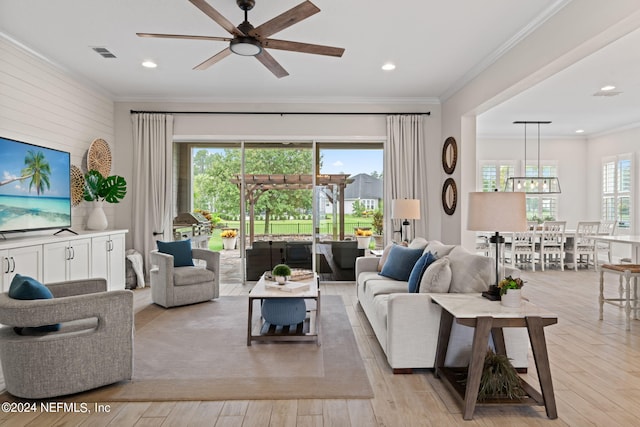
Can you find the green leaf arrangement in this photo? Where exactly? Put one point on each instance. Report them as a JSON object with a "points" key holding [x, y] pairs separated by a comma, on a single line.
{"points": [[281, 270], [111, 189], [499, 378]]}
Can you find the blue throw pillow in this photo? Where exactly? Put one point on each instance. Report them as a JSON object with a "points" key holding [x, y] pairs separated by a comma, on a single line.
{"points": [[400, 262], [418, 271], [28, 288], [181, 251]]}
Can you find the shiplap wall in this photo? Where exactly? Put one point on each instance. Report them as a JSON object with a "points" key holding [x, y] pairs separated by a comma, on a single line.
{"points": [[41, 104]]}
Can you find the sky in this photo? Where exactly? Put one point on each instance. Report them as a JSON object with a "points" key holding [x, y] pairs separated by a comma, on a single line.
{"points": [[351, 161], [13, 153]]}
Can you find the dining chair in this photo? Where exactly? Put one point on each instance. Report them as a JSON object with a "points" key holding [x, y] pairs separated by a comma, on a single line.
{"points": [[482, 245], [583, 243], [607, 228], [551, 245], [522, 248]]}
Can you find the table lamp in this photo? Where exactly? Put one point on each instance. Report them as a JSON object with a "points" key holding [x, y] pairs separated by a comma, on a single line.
{"points": [[405, 209], [497, 212]]}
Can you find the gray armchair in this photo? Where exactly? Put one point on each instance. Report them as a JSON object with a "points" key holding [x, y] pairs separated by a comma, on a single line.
{"points": [[174, 286], [93, 348]]}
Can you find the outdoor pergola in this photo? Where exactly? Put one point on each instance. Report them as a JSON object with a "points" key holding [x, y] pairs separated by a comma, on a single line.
{"points": [[258, 184]]}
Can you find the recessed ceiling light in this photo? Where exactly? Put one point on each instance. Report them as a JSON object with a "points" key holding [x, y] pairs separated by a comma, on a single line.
{"points": [[149, 64], [389, 66], [580, 131], [607, 87]]}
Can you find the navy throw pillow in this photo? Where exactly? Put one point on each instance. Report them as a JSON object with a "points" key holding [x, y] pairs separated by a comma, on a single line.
{"points": [[28, 288], [181, 251], [418, 271], [400, 262]]}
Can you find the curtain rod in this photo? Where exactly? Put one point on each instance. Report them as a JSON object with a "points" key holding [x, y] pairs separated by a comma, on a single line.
{"points": [[428, 113]]}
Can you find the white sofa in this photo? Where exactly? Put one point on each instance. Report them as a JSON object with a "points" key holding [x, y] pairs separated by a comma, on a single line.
{"points": [[407, 324]]}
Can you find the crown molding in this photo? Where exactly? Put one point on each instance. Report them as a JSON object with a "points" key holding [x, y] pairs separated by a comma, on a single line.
{"points": [[504, 48]]}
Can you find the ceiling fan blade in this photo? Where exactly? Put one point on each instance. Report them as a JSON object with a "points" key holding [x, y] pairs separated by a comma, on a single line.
{"points": [[215, 58], [183, 36], [315, 49], [285, 20], [216, 16], [273, 65]]}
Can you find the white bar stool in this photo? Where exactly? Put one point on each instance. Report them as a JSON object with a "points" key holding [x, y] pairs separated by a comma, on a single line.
{"points": [[625, 273]]}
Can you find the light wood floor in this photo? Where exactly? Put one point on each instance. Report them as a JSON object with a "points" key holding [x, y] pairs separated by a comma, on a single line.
{"points": [[595, 367]]}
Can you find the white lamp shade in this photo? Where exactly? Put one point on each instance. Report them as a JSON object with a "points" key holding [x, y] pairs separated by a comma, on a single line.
{"points": [[405, 209], [497, 211]]}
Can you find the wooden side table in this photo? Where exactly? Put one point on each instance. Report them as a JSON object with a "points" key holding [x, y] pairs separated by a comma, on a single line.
{"points": [[489, 317]]}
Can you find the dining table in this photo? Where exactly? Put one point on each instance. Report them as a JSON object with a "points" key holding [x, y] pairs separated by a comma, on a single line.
{"points": [[633, 241]]}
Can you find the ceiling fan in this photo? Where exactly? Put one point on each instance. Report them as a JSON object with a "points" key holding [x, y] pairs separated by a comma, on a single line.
{"points": [[250, 41]]}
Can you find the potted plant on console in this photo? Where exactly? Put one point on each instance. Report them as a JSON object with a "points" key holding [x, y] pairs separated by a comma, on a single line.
{"points": [[98, 189], [280, 273], [511, 291]]}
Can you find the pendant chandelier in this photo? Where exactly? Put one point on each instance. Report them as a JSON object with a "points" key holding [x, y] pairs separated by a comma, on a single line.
{"points": [[532, 184]]}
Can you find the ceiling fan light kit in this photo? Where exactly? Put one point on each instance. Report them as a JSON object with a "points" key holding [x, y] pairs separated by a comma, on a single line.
{"points": [[250, 41], [245, 46]]}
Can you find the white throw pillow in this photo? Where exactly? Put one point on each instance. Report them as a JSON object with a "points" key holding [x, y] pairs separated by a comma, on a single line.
{"points": [[470, 272], [418, 243], [437, 277], [438, 249]]}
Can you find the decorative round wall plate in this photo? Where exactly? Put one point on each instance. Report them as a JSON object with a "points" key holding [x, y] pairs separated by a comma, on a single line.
{"points": [[99, 157], [449, 196], [449, 155], [77, 185]]}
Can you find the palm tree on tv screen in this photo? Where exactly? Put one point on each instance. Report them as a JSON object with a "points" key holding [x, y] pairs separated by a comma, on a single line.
{"points": [[37, 168]]}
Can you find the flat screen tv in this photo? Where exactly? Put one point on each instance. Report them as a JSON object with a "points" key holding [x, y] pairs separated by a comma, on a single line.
{"points": [[35, 187]]}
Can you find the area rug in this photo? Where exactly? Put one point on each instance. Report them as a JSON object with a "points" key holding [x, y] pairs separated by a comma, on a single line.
{"points": [[200, 352]]}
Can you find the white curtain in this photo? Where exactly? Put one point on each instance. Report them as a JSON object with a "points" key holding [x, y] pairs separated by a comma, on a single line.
{"points": [[153, 192], [405, 171]]}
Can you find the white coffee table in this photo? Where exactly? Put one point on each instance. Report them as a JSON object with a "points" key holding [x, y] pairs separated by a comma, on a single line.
{"points": [[311, 330]]}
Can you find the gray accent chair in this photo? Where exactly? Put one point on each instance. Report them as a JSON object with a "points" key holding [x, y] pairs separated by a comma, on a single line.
{"points": [[174, 286], [93, 348]]}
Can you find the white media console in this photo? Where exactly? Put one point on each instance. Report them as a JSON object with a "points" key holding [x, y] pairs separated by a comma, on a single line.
{"points": [[66, 256]]}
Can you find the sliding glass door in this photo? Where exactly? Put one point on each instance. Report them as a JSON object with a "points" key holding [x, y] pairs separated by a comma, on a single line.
{"points": [[300, 203]]}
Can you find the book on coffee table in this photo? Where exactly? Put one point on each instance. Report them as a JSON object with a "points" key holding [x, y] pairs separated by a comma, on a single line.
{"points": [[288, 286]]}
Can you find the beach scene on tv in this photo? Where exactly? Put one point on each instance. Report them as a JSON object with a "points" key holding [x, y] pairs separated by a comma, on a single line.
{"points": [[35, 191]]}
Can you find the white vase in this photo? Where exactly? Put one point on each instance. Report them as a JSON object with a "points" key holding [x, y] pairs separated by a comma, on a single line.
{"points": [[363, 242], [281, 279], [229, 243], [97, 219], [512, 298]]}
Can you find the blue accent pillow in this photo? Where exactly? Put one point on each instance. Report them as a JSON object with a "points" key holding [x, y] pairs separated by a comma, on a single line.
{"points": [[418, 271], [28, 288], [181, 251], [400, 262]]}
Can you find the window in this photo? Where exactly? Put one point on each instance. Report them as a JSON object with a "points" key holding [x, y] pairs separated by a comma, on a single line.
{"points": [[494, 174], [617, 189], [542, 207]]}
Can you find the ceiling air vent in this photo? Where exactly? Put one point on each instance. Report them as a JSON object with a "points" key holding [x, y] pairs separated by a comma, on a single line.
{"points": [[104, 52], [606, 93]]}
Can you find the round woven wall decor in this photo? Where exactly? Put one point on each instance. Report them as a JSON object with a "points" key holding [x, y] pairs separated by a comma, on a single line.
{"points": [[77, 185], [99, 157]]}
